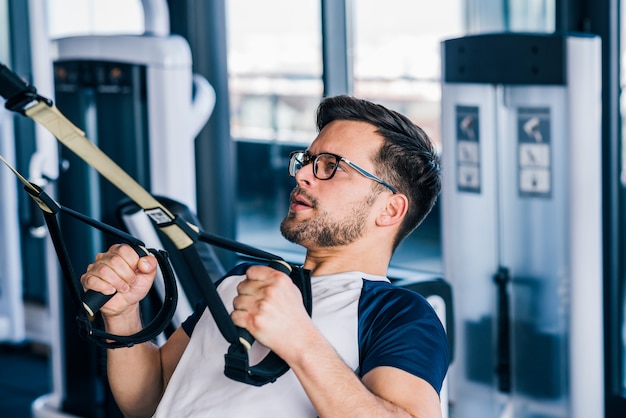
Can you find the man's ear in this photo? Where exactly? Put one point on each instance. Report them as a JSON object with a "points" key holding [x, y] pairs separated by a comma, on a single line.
{"points": [[394, 210]]}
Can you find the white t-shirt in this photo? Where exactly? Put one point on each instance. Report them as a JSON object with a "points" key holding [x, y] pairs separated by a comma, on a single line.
{"points": [[346, 312]]}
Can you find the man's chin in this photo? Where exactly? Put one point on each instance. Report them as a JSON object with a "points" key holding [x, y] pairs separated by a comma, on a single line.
{"points": [[287, 231], [293, 232]]}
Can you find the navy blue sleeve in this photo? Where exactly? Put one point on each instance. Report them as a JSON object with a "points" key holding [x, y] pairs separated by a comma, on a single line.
{"points": [[399, 328], [190, 323]]}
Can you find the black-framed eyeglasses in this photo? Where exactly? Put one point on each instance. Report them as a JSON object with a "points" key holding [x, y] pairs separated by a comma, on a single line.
{"points": [[325, 166]]}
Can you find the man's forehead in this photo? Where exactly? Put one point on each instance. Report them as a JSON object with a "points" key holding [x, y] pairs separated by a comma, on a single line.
{"points": [[347, 138], [356, 126]]}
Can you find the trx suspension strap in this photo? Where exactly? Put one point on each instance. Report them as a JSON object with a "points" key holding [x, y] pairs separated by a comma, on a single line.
{"points": [[50, 209], [24, 99]]}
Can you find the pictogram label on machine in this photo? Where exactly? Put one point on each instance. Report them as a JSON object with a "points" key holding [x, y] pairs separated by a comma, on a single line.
{"points": [[534, 152], [468, 149]]}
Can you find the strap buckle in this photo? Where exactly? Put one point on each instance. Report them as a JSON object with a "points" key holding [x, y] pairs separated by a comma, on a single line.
{"points": [[17, 93], [238, 368], [272, 366]]}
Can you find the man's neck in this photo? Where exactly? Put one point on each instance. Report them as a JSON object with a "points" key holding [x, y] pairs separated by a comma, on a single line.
{"points": [[331, 260]]}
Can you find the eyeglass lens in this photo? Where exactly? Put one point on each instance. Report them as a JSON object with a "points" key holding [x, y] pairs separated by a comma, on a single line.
{"points": [[296, 162], [324, 165]]}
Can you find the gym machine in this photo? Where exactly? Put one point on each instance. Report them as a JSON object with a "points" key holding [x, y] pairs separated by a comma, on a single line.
{"points": [[522, 221]]}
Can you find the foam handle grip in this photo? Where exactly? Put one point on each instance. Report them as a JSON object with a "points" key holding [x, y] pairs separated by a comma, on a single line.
{"points": [[93, 301], [245, 338]]}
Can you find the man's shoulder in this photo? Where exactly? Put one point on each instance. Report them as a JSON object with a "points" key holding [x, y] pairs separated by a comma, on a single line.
{"points": [[386, 289], [386, 298]]}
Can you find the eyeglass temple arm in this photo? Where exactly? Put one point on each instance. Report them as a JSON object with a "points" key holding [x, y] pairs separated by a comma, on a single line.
{"points": [[369, 175]]}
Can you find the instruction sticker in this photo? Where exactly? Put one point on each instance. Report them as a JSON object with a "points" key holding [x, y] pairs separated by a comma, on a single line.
{"points": [[534, 152], [468, 149]]}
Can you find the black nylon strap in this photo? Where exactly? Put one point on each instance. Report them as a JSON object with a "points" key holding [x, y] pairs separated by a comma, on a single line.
{"points": [[272, 366], [59, 246], [25, 100], [150, 331], [267, 371], [85, 322], [212, 299]]}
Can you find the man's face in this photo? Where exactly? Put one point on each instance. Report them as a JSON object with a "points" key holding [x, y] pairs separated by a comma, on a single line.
{"points": [[334, 212]]}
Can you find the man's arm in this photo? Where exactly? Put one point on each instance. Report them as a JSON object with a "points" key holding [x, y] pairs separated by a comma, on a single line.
{"points": [[270, 307], [336, 391], [409, 392], [137, 375]]}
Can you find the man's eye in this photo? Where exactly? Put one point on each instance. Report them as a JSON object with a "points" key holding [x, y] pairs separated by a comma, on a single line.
{"points": [[328, 166], [334, 165]]}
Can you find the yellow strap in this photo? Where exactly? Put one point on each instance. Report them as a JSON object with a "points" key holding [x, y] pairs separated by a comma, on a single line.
{"points": [[74, 139]]}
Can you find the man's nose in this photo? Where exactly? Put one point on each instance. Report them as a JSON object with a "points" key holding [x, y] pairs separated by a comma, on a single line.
{"points": [[305, 174]]}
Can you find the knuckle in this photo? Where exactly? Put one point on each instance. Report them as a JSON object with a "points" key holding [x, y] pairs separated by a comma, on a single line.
{"points": [[101, 270], [87, 281], [84, 279], [271, 292]]}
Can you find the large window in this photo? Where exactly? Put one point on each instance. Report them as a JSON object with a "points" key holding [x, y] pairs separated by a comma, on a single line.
{"points": [[275, 76], [275, 82], [397, 55], [397, 63], [275, 69]]}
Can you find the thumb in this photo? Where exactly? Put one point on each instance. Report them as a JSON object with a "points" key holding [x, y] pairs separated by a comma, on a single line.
{"points": [[147, 264]]}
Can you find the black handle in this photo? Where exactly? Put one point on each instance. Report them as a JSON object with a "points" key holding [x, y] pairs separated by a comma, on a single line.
{"points": [[93, 301], [245, 338], [10, 84], [16, 92], [503, 367]]}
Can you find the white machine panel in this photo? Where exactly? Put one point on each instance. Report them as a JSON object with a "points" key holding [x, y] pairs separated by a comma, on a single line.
{"points": [[12, 323], [522, 234], [179, 102]]}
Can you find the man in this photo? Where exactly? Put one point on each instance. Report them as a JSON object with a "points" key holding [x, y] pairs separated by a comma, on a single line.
{"points": [[370, 349]]}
